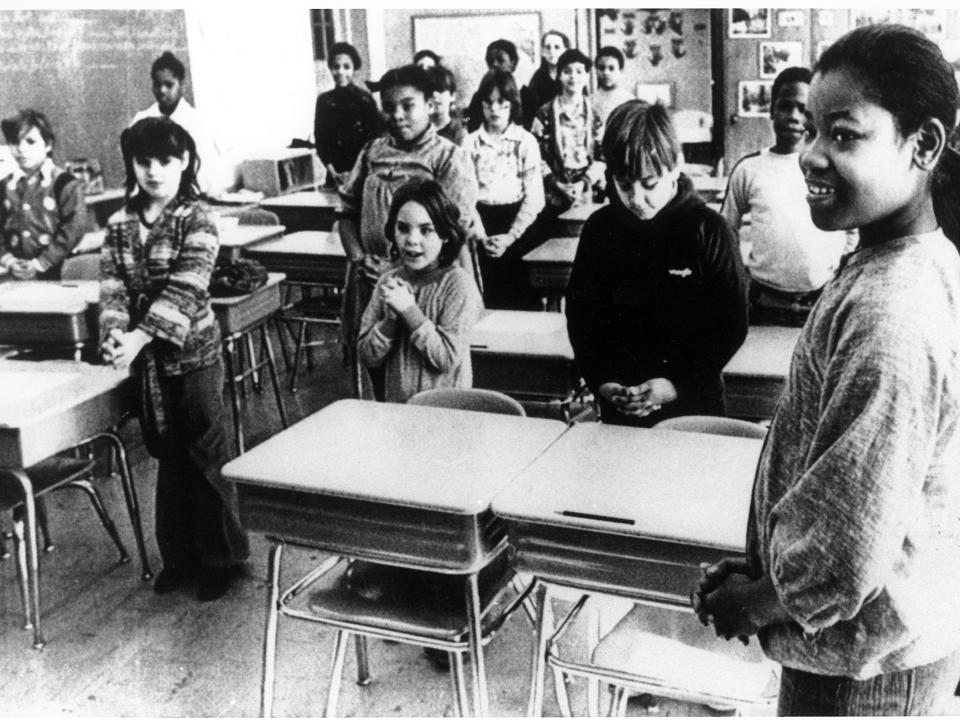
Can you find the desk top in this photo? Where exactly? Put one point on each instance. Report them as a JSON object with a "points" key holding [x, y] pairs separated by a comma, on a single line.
{"points": [[321, 243], [708, 183], [766, 352], [452, 461], [319, 199], [686, 488], [581, 212], [105, 196], [240, 236], [555, 250], [273, 279], [44, 296], [522, 332]]}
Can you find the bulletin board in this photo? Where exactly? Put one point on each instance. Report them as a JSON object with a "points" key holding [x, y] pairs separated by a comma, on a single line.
{"points": [[88, 71]]}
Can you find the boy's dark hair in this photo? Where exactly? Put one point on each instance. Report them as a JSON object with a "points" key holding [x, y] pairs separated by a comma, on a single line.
{"points": [[504, 83], [168, 61], [506, 46], [441, 78], [25, 119], [571, 56], [409, 75], [613, 52], [789, 76], [160, 137], [344, 48], [639, 139], [444, 214], [421, 54]]}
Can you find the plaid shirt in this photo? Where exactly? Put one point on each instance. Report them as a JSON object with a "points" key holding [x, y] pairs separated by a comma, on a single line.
{"points": [[158, 281]]}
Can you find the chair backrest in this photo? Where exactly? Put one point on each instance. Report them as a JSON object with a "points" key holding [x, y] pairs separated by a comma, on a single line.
{"points": [[258, 216], [81, 267], [476, 399], [713, 425]]}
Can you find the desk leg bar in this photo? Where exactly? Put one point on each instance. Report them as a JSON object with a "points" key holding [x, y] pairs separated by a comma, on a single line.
{"points": [[363, 663], [270, 632], [272, 369], [459, 686], [336, 672], [234, 398], [474, 610], [130, 495], [543, 629], [33, 565]]}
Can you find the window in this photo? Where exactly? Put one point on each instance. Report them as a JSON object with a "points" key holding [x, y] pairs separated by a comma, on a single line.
{"points": [[323, 35]]}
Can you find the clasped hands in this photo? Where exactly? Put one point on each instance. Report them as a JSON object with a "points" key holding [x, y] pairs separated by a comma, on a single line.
{"points": [[397, 295], [21, 269], [121, 348], [639, 400]]}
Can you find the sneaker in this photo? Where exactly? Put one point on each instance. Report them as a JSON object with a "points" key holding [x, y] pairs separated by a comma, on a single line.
{"points": [[214, 583], [173, 578]]}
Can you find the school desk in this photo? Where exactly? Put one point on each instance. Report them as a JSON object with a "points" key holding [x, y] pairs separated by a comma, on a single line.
{"points": [[549, 267], [710, 188], [628, 512], [524, 354], [237, 238], [39, 313], [305, 210], [306, 256], [398, 484], [101, 206], [48, 407], [755, 375], [572, 220]]}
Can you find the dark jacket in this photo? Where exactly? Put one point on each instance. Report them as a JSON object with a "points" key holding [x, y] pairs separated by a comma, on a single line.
{"points": [[665, 297], [345, 119], [541, 89]]}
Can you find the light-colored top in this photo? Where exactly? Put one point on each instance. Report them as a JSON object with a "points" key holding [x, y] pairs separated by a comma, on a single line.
{"points": [[604, 101], [787, 250], [304, 199], [857, 504], [210, 176], [561, 250], [45, 296], [766, 353], [508, 171], [453, 461], [242, 236], [313, 243], [522, 332]]}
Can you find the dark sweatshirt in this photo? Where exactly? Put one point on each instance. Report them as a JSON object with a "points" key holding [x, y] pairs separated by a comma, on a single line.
{"points": [[665, 297]]}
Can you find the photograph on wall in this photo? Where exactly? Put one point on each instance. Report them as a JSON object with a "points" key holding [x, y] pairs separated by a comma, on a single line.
{"points": [[790, 18], [753, 98], [749, 22], [778, 56], [931, 22], [655, 93]]}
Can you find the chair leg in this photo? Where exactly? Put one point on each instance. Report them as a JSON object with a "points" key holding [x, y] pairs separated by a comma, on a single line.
{"points": [[87, 487], [593, 639], [297, 351], [281, 329], [254, 363], [622, 696], [29, 533], [542, 627], [458, 678], [20, 551], [336, 672], [268, 679], [44, 524], [228, 357], [560, 690], [272, 370], [363, 661], [479, 678], [130, 496]]}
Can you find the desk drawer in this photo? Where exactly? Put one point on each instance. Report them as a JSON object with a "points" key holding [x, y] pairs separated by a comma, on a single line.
{"points": [[297, 269], [374, 531], [752, 398], [554, 277], [248, 312], [527, 375]]}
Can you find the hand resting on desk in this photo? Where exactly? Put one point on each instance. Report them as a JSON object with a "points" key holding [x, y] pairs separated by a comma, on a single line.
{"points": [[639, 400]]}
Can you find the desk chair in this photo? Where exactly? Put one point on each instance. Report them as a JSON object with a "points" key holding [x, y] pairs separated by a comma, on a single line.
{"points": [[257, 216], [476, 399], [658, 650]]}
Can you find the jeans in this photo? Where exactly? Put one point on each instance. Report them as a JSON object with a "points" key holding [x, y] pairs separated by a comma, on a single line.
{"points": [[917, 691]]}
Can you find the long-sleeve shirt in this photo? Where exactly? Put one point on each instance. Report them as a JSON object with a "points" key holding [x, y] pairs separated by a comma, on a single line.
{"points": [[508, 171], [856, 503], [42, 219], [158, 281], [429, 346], [664, 297], [344, 120]]}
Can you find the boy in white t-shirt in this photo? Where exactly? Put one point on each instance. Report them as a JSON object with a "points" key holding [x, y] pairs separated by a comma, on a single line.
{"points": [[790, 259], [609, 93]]}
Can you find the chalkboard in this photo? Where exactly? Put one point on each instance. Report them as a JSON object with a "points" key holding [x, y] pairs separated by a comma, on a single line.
{"points": [[88, 71]]}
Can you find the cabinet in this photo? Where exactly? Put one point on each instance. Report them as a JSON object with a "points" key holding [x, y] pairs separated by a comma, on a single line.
{"points": [[284, 171]]}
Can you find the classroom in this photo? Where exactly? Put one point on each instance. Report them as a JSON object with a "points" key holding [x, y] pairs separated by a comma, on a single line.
{"points": [[564, 361]]}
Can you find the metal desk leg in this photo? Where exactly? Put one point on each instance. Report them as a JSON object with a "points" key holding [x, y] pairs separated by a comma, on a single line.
{"points": [[474, 624], [270, 632], [544, 626], [234, 398], [336, 671], [33, 565], [272, 369], [130, 495]]}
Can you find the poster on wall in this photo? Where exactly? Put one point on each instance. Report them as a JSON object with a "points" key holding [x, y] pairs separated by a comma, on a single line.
{"points": [[931, 22], [749, 22], [753, 98], [778, 56]]}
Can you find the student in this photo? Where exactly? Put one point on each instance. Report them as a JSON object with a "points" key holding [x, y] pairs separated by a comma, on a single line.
{"points": [[155, 316], [544, 84], [441, 100], [657, 299], [42, 213], [346, 117], [411, 148], [853, 535], [506, 159], [501, 55], [417, 324], [565, 129], [790, 259], [168, 76], [426, 59], [609, 66]]}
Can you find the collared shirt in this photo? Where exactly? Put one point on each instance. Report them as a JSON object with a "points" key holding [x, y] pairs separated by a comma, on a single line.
{"points": [[573, 134], [37, 224], [158, 281]]}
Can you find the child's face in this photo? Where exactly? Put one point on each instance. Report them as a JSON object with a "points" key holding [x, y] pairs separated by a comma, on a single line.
{"points": [[31, 150], [552, 49], [168, 90], [573, 78], [789, 115], [159, 177], [406, 112], [499, 60], [858, 167], [440, 104], [417, 238], [650, 194], [608, 72], [496, 112], [342, 69]]}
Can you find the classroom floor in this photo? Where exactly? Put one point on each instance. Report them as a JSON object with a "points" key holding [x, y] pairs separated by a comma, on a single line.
{"points": [[114, 648]]}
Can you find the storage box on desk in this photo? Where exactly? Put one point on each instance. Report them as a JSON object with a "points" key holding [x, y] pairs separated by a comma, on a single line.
{"points": [[284, 171]]}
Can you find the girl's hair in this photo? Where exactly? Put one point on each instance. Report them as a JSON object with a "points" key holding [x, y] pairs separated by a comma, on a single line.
{"points": [[160, 137], [410, 76], [443, 213], [506, 46], [611, 52], [563, 38], [168, 61], [504, 83], [640, 139], [441, 79], [906, 74], [421, 54], [25, 119], [344, 48], [571, 56]]}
